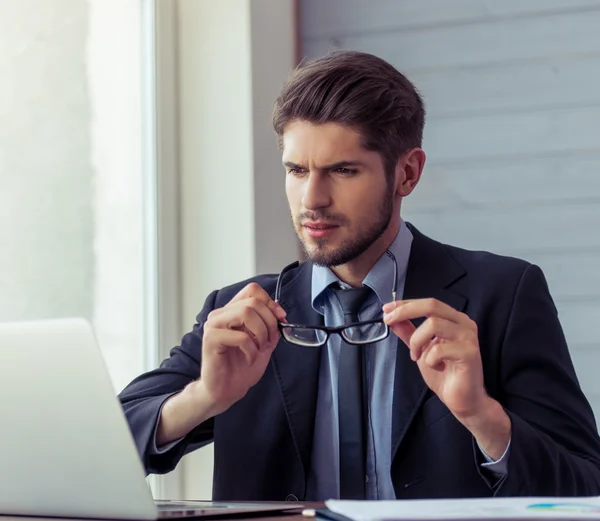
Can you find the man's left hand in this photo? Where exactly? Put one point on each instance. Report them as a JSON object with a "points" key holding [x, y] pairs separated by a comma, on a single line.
{"points": [[446, 349]]}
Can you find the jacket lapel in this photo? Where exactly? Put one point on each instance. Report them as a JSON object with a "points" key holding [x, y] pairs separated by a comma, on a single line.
{"points": [[431, 272], [297, 368]]}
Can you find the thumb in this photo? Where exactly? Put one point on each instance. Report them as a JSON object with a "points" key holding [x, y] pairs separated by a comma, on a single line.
{"points": [[404, 330]]}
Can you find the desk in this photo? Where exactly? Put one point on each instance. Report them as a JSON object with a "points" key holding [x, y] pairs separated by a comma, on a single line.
{"points": [[273, 517], [281, 517]]}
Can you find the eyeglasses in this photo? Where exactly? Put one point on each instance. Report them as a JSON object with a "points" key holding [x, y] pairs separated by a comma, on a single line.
{"points": [[358, 333]]}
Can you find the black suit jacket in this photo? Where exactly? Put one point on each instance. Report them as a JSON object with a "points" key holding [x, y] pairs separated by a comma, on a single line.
{"points": [[263, 443]]}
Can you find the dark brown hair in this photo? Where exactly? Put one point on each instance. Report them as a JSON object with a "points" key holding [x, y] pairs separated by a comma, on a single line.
{"points": [[360, 91]]}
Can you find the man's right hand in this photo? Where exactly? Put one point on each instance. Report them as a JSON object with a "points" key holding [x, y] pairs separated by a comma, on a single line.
{"points": [[236, 347]]}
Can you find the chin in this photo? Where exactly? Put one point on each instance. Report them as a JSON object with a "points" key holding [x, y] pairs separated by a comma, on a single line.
{"points": [[327, 257], [316, 253]]}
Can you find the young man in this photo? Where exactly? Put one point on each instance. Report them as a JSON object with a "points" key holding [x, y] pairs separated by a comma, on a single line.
{"points": [[472, 393]]}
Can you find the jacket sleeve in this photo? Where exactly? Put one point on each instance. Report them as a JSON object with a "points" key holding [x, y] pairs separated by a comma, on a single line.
{"points": [[144, 397], [555, 448]]}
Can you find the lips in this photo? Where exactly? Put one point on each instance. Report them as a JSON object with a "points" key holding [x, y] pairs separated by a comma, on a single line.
{"points": [[319, 225], [319, 229]]}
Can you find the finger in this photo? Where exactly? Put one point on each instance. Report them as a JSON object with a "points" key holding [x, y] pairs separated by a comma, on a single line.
{"points": [[410, 309], [245, 317], [433, 327], [226, 339], [441, 352], [390, 306], [270, 320], [403, 330], [253, 290]]}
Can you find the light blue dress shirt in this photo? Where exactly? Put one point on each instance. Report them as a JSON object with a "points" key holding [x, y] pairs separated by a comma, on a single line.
{"points": [[323, 480]]}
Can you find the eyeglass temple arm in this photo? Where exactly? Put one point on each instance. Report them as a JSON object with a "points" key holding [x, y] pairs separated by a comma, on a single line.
{"points": [[395, 286], [280, 279]]}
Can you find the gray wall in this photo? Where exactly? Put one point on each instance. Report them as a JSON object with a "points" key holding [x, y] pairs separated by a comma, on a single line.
{"points": [[513, 134]]}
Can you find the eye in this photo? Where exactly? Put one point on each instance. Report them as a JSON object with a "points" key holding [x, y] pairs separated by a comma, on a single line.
{"points": [[346, 171], [296, 171]]}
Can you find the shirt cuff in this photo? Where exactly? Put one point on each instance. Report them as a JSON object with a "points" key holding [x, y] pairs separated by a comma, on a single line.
{"points": [[153, 449], [499, 466]]}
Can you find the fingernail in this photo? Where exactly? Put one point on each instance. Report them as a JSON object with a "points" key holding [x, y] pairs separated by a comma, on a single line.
{"points": [[388, 307], [387, 316]]}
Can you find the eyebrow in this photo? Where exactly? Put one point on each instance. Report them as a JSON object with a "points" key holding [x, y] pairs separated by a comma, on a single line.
{"points": [[333, 166]]}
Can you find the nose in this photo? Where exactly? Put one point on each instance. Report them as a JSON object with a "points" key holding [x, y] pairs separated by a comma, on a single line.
{"points": [[316, 191]]}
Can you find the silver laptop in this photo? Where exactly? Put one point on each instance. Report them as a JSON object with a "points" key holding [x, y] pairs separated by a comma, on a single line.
{"points": [[66, 447]]}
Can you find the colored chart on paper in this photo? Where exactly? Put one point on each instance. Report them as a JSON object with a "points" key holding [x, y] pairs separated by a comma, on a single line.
{"points": [[573, 508]]}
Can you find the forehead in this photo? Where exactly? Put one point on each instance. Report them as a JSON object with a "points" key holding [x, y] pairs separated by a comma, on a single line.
{"points": [[305, 140]]}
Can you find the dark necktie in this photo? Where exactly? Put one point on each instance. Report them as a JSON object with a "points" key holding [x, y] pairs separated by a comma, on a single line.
{"points": [[350, 401]]}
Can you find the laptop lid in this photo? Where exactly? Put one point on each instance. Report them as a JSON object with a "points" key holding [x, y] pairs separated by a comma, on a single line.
{"points": [[66, 447]]}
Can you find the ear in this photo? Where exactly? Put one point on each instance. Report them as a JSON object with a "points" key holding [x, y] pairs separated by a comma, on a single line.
{"points": [[408, 171]]}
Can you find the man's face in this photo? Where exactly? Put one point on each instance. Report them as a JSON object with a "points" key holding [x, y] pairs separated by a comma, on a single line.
{"points": [[340, 199]]}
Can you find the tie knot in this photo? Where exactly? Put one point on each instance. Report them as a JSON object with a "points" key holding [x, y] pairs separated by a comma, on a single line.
{"points": [[352, 299]]}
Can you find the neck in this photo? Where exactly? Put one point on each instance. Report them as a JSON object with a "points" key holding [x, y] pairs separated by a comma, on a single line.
{"points": [[354, 272]]}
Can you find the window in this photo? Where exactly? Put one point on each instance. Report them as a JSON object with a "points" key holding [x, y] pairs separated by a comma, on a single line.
{"points": [[76, 208]]}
